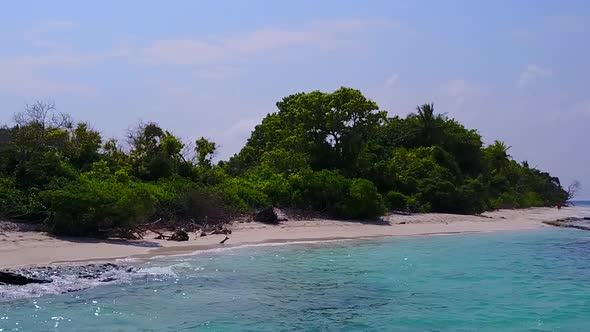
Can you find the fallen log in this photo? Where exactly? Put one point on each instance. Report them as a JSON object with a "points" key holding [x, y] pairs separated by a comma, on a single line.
{"points": [[160, 235], [9, 278]]}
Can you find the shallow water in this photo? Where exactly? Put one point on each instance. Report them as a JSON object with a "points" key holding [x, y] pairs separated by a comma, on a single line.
{"points": [[506, 281]]}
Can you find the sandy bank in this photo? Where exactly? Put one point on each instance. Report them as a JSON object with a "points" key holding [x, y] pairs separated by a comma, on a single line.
{"points": [[32, 248]]}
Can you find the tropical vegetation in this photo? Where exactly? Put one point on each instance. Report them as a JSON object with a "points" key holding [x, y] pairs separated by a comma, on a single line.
{"points": [[333, 153]]}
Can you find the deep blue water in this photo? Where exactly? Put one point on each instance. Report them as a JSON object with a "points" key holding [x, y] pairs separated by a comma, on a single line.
{"points": [[581, 203], [505, 281]]}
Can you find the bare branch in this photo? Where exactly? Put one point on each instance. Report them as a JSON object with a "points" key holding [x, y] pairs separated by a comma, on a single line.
{"points": [[573, 189], [43, 114]]}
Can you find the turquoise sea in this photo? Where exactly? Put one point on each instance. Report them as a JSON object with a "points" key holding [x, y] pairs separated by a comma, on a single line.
{"points": [[504, 281]]}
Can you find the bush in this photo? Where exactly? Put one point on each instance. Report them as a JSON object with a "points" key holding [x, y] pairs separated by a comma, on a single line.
{"points": [[204, 206], [167, 192], [16, 204], [321, 191], [97, 207], [242, 194], [473, 197], [438, 195], [328, 191], [362, 201], [508, 200], [532, 199], [396, 200]]}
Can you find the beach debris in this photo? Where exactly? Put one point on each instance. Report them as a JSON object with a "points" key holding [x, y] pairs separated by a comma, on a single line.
{"points": [[179, 235], [223, 241], [221, 230], [214, 230], [270, 216], [9, 278]]}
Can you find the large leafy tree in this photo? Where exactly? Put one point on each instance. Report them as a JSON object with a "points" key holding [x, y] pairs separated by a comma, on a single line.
{"points": [[332, 129]]}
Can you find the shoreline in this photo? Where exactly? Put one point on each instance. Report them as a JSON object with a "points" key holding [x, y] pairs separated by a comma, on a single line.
{"points": [[23, 249]]}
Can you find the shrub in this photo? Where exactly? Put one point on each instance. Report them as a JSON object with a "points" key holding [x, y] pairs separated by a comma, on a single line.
{"points": [[329, 191], [396, 200], [16, 204], [473, 197], [508, 200], [438, 195], [242, 194], [97, 207], [321, 191], [362, 201], [204, 206], [532, 199]]}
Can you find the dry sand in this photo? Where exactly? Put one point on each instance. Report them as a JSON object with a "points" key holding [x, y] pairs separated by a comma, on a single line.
{"points": [[37, 248]]}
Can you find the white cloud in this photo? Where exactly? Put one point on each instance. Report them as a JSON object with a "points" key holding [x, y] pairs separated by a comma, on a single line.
{"points": [[456, 92], [22, 76], [391, 80], [531, 74], [212, 58], [320, 35], [455, 88]]}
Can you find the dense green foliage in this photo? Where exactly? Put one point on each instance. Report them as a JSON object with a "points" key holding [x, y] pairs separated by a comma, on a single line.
{"points": [[335, 153]]}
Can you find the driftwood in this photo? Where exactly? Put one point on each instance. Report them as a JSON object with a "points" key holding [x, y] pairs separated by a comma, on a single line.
{"points": [[223, 241], [9, 278], [160, 235], [179, 235]]}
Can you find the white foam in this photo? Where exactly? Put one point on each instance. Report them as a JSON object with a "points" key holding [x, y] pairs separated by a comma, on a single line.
{"points": [[158, 270], [70, 283], [62, 284]]}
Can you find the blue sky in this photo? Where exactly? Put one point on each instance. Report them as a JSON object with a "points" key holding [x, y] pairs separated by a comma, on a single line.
{"points": [[518, 71]]}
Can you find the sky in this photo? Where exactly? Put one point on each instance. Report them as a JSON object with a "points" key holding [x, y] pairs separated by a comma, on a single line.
{"points": [[517, 71]]}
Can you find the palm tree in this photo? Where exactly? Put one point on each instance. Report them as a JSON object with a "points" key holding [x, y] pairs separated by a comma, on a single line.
{"points": [[497, 155], [428, 124]]}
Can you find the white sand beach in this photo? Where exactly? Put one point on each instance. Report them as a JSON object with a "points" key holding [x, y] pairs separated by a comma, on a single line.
{"points": [[38, 248]]}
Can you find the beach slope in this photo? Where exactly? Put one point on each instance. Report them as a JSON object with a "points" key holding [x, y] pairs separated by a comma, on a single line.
{"points": [[18, 248]]}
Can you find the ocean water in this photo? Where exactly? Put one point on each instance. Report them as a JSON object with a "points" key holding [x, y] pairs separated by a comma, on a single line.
{"points": [[504, 281], [585, 204]]}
